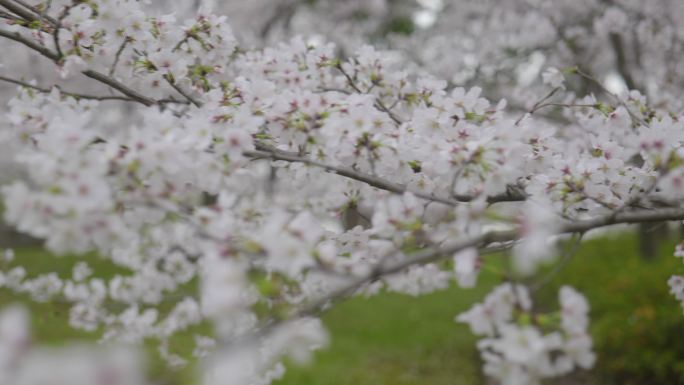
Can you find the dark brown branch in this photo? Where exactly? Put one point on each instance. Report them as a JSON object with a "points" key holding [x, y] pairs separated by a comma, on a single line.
{"points": [[102, 78], [72, 94], [42, 14]]}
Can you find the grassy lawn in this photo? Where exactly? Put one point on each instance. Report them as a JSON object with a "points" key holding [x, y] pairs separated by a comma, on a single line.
{"points": [[393, 339]]}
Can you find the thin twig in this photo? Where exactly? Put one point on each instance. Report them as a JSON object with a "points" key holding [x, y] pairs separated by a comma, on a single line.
{"points": [[565, 259], [378, 103], [58, 26], [534, 108], [117, 56], [635, 119], [181, 91], [45, 10]]}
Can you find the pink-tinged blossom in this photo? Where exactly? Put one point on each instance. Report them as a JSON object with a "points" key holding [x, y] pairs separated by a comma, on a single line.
{"points": [[14, 339], [676, 284], [517, 352], [258, 361], [538, 223], [466, 267], [71, 66], [574, 310]]}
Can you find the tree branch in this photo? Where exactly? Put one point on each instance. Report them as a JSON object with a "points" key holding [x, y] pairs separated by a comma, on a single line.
{"points": [[269, 152], [72, 94], [16, 36], [120, 87], [348, 172], [181, 91]]}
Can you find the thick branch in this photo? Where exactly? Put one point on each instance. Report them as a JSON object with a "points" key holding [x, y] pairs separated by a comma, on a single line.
{"points": [[18, 10]]}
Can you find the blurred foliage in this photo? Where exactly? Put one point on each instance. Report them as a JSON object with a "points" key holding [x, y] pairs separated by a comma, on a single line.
{"points": [[637, 325], [402, 25]]}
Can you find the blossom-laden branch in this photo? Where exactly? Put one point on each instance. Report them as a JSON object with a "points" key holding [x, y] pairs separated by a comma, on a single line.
{"points": [[484, 243], [511, 195], [57, 57], [132, 95], [486, 240], [109, 81]]}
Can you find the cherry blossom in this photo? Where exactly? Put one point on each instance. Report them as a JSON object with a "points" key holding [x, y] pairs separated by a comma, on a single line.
{"points": [[253, 184]]}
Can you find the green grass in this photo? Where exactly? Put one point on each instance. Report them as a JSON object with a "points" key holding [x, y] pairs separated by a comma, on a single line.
{"points": [[402, 340], [395, 339]]}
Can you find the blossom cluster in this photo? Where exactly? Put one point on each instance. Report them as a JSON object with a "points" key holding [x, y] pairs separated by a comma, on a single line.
{"points": [[522, 347]]}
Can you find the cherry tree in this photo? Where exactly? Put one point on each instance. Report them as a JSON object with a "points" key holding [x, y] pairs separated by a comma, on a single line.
{"points": [[255, 188]]}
